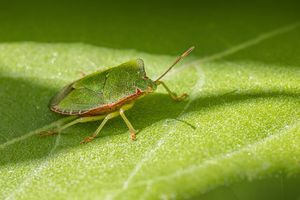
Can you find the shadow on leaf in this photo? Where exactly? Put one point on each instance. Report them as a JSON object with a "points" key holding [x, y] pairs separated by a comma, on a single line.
{"points": [[24, 109]]}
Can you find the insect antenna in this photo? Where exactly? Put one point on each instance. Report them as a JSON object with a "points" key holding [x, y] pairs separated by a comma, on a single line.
{"points": [[186, 53]]}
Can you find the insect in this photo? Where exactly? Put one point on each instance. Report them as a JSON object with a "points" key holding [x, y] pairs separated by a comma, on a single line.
{"points": [[106, 94]]}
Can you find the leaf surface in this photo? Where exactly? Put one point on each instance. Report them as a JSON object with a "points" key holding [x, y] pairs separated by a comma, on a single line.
{"points": [[237, 133]]}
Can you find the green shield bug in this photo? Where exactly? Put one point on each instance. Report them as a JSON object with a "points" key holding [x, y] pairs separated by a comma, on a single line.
{"points": [[106, 94]]}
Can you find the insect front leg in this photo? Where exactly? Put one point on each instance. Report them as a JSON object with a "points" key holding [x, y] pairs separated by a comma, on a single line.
{"points": [[172, 94]]}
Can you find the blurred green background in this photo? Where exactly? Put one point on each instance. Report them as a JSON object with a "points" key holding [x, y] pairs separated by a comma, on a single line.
{"points": [[164, 27]]}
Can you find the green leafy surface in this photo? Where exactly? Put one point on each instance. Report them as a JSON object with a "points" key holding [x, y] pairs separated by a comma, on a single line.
{"points": [[236, 137]]}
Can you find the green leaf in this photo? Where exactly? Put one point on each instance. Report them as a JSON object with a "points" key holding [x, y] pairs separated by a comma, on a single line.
{"points": [[236, 137]]}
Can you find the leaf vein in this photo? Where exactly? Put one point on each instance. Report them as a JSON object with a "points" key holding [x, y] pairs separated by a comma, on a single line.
{"points": [[251, 42], [215, 160], [35, 172]]}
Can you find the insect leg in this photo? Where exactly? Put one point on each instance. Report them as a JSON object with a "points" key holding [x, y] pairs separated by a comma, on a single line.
{"points": [[82, 74], [79, 120], [106, 118], [172, 94], [129, 125]]}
